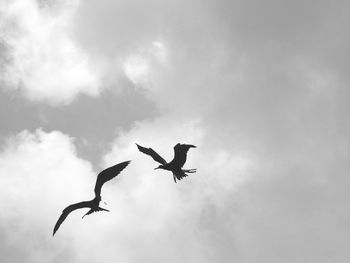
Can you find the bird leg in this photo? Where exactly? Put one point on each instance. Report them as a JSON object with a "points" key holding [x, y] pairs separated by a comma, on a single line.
{"points": [[95, 210], [190, 170], [88, 213], [102, 209], [174, 178]]}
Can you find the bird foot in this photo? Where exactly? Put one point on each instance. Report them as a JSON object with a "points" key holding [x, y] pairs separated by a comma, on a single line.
{"points": [[85, 215], [190, 171], [96, 210]]}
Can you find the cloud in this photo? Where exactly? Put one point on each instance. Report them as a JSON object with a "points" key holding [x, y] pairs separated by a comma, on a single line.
{"points": [[221, 45], [240, 206], [41, 174], [249, 202], [295, 213], [139, 65], [189, 215], [260, 88], [43, 59], [252, 87]]}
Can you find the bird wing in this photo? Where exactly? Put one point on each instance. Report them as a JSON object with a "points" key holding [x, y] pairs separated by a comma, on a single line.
{"points": [[67, 211], [152, 153], [107, 175], [180, 154]]}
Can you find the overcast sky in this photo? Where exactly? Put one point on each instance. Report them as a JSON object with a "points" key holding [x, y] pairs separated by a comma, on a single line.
{"points": [[260, 86]]}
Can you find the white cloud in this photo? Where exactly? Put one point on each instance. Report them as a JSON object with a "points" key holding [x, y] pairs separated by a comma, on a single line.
{"points": [[137, 68], [44, 62], [40, 175], [237, 206], [151, 204], [145, 62]]}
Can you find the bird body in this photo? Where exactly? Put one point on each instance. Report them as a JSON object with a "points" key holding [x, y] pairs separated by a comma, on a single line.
{"points": [[93, 204], [175, 166]]}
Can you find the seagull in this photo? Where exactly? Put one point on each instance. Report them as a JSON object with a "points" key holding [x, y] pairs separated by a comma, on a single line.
{"points": [[93, 204], [175, 166]]}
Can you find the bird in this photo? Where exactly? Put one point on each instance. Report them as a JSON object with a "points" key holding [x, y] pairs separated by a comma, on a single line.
{"points": [[175, 166], [93, 204]]}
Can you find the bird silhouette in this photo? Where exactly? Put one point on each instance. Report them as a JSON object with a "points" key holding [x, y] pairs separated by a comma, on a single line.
{"points": [[175, 166], [93, 204]]}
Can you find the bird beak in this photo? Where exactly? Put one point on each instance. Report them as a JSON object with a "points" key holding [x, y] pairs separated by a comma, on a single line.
{"points": [[156, 168]]}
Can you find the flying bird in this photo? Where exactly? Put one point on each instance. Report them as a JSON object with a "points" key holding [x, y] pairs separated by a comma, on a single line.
{"points": [[175, 166], [93, 204]]}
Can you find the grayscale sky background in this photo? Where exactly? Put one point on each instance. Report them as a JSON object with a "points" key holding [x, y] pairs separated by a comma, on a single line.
{"points": [[260, 86]]}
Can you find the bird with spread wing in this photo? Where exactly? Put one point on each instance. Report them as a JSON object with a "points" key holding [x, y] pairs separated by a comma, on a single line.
{"points": [[175, 166], [93, 204]]}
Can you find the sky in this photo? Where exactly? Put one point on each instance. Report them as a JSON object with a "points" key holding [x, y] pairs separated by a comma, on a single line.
{"points": [[259, 86]]}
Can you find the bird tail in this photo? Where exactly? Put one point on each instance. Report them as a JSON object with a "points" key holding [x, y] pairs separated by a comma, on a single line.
{"points": [[179, 175]]}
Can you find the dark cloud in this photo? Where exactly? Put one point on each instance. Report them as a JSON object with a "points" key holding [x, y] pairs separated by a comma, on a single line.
{"points": [[92, 122]]}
